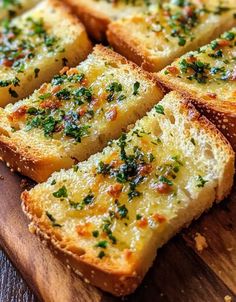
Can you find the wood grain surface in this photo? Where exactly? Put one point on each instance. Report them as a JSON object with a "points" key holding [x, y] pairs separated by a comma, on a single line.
{"points": [[179, 274]]}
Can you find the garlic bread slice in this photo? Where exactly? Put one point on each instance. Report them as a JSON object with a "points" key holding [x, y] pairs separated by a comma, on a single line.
{"points": [[153, 40], [208, 77], [97, 14], [75, 115], [36, 45], [108, 215], [11, 8]]}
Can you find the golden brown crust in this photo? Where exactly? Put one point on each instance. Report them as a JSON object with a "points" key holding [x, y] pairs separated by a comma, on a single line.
{"points": [[53, 12], [201, 122], [103, 274], [65, 11], [32, 162], [221, 114], [118, 283], [95, 22], [131, 49], [28, 162], [135, 49], [105, 51]]}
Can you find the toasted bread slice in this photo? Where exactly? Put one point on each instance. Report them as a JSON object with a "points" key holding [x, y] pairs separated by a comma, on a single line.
{"points": [[97, 14], [72, 117], [9, 9], [155, 40], [35, 46], [109, 214], [208, 77]]}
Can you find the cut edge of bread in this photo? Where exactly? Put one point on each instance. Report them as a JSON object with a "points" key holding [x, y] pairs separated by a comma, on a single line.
{"points": [[132, 48], [124, 282], [49, 65], [221, 114], [37, 165], [95, 22]]}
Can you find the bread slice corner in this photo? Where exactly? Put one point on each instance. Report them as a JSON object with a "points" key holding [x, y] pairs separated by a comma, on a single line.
{"points": [[107, 216], [98, 14], [10, 9], [75, 114], [212, 87], [153, 39], [53, 37]]}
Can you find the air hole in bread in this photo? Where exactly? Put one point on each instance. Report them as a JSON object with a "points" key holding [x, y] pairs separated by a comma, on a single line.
{"points": [[157, 131], [171, 118], [159, 47], [187, 126], [113, 64], [208, 152], [126, 71], [76, 250]]}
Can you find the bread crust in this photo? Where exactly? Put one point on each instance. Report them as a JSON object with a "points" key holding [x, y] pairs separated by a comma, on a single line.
{"points": [[221, 114], [49, 65], [130, 48], [133, 48], [118, 283], [123, 60], [225, 182], [95, 22], [33, 162], [124, 281], [29, 162]]}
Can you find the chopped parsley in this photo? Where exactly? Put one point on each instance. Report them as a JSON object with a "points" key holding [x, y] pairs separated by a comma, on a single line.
{"points": [[136, 88], [53, 220], [101, 254], [87, 200], [102, 244], [165, 180], [159, 109], [201, 181], [77, 132], [61, 193], [123, 211], [114, 90], [95, 233], [138, 216]]}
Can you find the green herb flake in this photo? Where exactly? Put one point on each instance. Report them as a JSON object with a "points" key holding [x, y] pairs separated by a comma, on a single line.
{"points": [[123, 211], [62, 192], [95, 233], [201, 181], [53, 182], [101, 254], [88, 199], [136, 88], [102, 244], [182, 41], [165, 180], [45, 96], [139, 217], [53, 220], [160, 109]]}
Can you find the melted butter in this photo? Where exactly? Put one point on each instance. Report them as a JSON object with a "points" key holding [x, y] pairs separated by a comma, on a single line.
{"points": [[161, 37], [220, 83], [127, 231], [98, 74]]}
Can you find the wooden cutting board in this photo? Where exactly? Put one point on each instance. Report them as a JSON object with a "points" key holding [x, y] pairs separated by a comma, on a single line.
{"points": [[180, 273]]}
